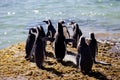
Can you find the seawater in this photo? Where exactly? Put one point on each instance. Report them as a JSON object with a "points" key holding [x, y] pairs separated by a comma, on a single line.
{"points": [[17, 16]]}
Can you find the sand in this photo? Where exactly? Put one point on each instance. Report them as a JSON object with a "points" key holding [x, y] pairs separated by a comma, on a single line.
{"points": [[13, 65]]}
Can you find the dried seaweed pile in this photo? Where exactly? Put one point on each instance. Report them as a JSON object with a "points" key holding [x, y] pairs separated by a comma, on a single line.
{"points": [[14, 66]]}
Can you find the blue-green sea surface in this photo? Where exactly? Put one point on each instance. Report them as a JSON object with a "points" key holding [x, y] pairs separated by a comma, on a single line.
{"points": [[17, 16]]}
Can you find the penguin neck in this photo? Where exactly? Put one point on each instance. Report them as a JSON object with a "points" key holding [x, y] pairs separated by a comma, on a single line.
{"points": [[49, 23], [50, 26]]}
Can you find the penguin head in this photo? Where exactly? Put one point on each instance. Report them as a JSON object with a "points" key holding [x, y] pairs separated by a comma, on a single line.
{"points": [[62, 21], [82, 41], [71, 23], [47, 21], [41, 31], [76, 26], [60, 28], [92, 36], [32, 30]]}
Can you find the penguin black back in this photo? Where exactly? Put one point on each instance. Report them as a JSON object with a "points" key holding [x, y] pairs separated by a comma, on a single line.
{"points": [[93, 46], [43, 38], [30, 42], [39, 49], [85, 60], [60, 46]]}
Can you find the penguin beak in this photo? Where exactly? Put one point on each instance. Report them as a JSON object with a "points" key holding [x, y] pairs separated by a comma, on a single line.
{"points": [[46, 22]]}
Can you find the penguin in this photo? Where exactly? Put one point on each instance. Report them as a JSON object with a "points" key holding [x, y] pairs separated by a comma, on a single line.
{"points": [[77, 33], [40, 28], [51, 30], [93, 46], [65, 29], [30, 42], [59, 44], [84, 57], [39, 50]]}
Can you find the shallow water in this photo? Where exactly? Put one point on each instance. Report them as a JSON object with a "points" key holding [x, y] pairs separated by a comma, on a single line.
{"points": [[16, 16]]}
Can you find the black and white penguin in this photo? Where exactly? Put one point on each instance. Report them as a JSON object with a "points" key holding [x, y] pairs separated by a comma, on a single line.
{"points": [[77, 33], [84, 61], [39, 51], [65, 29], [93, 46], [30, 42], [40, 28], [59, 44], [51, 30]]}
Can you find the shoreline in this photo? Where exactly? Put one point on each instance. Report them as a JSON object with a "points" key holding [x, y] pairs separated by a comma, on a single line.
{"points": [[112, 37], [101, 37], [14, 66]]}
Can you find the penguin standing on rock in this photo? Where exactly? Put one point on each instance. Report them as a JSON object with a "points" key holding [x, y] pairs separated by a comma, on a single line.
{"points": [[30, 42], [39, 49], [51, 30], [59, 44], [84, 61], [76, 34], [93, 46]]}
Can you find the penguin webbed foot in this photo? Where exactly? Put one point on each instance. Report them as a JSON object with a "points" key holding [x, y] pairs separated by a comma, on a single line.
{"points": [[27, 57], [60, 60], [31, 59]]}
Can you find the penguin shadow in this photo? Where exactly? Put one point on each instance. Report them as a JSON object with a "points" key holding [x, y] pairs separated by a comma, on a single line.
{"points": [[52, 70], [98, 75], [70, 59], [71, 53], [49, 54], [68, 63], [103, 63]]}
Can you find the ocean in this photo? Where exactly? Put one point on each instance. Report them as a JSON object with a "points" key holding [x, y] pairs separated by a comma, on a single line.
{"points": [[17, 16]]}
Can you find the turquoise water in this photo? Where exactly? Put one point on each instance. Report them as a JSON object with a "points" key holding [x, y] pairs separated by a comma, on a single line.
{"points": [[16, 16]]}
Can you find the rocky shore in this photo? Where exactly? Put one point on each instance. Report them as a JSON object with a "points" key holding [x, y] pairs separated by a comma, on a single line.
{"points": [[13, 65]]}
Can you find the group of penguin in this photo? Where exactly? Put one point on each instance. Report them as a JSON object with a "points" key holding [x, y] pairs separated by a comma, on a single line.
{"points": [[36, 44]]}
